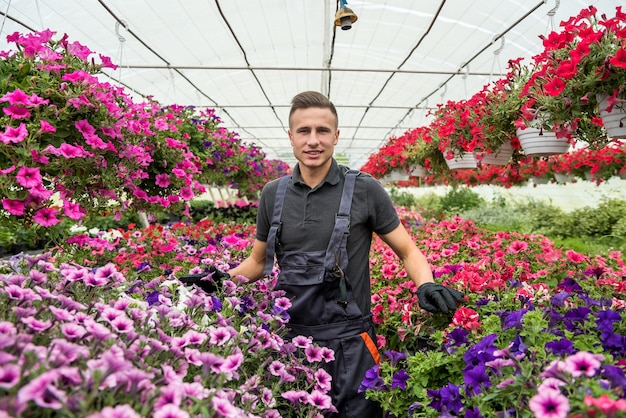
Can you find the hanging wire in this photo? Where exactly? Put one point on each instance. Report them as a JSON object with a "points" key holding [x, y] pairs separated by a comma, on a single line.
{"points": [[120, 37], [4, 18], [39, 14], [496, 53], [172, 85], [465, 79], [551, 13]]}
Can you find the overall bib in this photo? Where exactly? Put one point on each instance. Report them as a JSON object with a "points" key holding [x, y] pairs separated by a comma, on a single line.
{"points": [[324, 307]]}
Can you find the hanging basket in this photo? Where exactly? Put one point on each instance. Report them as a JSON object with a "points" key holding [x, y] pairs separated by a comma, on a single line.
{"points": [[418, 171], [466, 160], [395, 175], [563, 178], [614, 121], [499, 157], [540, 142], [540, 180]]}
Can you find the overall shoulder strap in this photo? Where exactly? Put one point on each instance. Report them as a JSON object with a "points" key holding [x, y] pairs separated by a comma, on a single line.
{"points": [[339, 238], [274, 232]]}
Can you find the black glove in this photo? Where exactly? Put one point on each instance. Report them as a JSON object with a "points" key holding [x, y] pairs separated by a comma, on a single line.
{"points": [[208, 281], [434, 297]]}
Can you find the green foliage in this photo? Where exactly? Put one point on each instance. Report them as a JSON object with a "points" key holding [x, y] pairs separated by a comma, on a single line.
{"points": [[459, 199], [237, 213]]}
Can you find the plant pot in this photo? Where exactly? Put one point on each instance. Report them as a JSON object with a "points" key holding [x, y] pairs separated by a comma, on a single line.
{"points": [[563, 178], [418, 171], [498, 157], [466, 160], [540, 180], [540, 142], [614, 121], [395, 175]]}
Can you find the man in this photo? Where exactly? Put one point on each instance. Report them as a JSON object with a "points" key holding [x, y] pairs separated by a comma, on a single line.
{"points": [[321, 233]]}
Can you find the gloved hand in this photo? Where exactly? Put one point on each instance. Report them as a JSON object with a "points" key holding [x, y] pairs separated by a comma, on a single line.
{"points": [[208, 281], [434, 297]]}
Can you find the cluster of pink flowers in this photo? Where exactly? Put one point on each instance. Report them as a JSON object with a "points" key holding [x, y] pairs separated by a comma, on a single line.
{"points": [[118, 335]]}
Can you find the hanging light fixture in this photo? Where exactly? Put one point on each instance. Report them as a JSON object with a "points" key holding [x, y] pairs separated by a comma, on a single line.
{"points": [[345, 17]]}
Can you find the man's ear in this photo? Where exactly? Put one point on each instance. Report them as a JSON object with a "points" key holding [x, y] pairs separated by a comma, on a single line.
{"points": [[336, 137], [290, 137]]}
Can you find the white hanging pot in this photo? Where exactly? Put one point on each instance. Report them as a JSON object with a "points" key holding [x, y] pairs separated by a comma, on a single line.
{"points": [[499, 157], [464, 161], [418, 171], [614, 121], [539, 142]]}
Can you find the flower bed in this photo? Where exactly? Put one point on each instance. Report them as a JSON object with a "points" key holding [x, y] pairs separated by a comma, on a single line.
{"points": [[541, 329], [104, 327]]}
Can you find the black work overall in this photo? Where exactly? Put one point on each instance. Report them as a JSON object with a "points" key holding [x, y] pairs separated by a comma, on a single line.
{"points": [[323, 305]]}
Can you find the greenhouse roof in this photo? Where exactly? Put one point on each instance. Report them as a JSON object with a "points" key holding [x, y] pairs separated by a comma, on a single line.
{"points": [[247, 59]]}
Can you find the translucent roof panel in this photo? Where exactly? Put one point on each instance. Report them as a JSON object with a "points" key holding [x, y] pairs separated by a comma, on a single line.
{"points": [[247, 59]]}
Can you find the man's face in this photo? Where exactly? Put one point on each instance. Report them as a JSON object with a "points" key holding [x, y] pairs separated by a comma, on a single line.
{"points": [[313, 135]]}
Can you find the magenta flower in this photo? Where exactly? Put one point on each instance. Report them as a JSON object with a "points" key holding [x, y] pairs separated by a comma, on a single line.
{"points": [[16, 112], [232, 364], [9, 375], [296, 396], [46, 126], [43, 392], [14, 207], [162, 180], [313, 353], [320, 400], [224, 408], [186, 193], [14, 135], [106, 62], [46, 217], [73, 210], [583, 363], [171, 411], [36, 325], [119, 411], [16, 96], [73, 331], [28, 177], [549, 404]]}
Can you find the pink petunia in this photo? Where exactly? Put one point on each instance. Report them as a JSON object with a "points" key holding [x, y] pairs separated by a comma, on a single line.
{"points": [[43, 392], [9, 375], [583, 363], [162, 180], [14, 135], [223, 407], [16, 112], [119, 411], [106, 62], [73, 210], [186, 193], [549, 404], [7, 170], [170, 411], [320, 400], [16, 97], [14, 207], [46, 217], [28, 177], [313, 353], [36, 325], [85, 128], [46, 126]]}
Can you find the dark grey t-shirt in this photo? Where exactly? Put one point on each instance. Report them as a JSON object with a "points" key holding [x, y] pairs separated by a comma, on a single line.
{"points": [[309, 215]]}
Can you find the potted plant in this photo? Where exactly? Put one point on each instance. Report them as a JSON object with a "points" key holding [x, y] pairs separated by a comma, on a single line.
{"points": [[582, 62]]}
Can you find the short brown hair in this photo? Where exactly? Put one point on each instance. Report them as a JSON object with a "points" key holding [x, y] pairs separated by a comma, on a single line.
{"points": [[308, 99]]}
